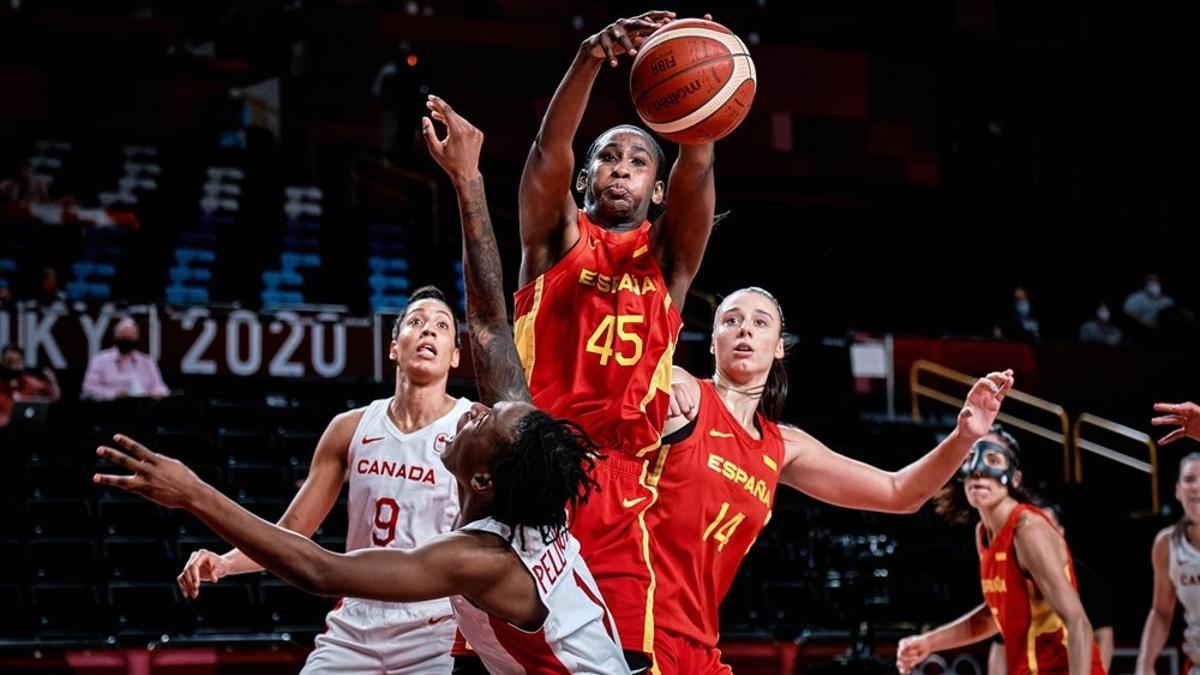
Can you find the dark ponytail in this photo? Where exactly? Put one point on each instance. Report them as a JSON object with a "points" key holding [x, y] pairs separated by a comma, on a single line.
{"points": [[775, 391]]}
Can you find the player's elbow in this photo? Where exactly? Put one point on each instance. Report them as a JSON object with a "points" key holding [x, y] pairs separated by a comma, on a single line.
{"points": [[1163, 615], [314, 573], [1080, 626], [902, 498], [905, 504]]}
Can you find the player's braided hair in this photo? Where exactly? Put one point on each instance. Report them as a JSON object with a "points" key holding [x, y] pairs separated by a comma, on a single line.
{"points": [[543, 474]]}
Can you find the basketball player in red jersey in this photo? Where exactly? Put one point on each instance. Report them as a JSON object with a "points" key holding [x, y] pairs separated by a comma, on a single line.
{"points": [[520, 590], [723, 454], [1029, 588], [597, 314]]}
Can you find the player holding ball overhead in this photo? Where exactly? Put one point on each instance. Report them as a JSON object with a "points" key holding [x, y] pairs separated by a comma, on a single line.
{"points": [[597, 314]]}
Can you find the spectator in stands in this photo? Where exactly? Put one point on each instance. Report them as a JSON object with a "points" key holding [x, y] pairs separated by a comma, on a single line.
{"points": [[1100, 330], [1021, 325], [24, 188], [18, 383], [1145, 304], [48, 290], [1092, 594], [121, 371]]}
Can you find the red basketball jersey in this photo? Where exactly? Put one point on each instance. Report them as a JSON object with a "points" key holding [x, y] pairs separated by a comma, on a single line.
{"points": [[1035, 637], [718, 488], [596, 334]]}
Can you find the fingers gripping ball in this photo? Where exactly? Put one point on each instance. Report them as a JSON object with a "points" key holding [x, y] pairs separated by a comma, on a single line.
{"points": [[693, 81]]}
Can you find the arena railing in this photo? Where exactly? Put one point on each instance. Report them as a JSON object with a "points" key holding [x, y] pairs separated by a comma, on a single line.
{"points": [[1060, 436]]}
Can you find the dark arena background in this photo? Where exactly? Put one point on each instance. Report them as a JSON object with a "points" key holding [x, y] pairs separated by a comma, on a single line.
{"points": [[248, 183]]}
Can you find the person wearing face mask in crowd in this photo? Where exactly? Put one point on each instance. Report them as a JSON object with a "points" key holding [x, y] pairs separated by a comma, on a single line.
{"points": [[18, 383], [121, 371], [1100, 330], [1022, 325], [48, 291], [1146, 304]]}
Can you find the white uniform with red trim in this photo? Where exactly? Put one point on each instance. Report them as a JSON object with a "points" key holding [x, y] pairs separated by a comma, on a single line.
{"points": [[401, 496], [578, 636], [1184, 569]]}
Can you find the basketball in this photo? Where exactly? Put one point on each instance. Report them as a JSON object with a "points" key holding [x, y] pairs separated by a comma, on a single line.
{"points": [[692, 81]]}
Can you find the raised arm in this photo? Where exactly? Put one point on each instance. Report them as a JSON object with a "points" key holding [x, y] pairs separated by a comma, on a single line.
{"points": [[688, 220], [812, 468], [546, 205], [498, 368]]}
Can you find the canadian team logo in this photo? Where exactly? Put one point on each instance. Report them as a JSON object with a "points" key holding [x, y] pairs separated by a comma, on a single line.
{"points": [[439, 443]]}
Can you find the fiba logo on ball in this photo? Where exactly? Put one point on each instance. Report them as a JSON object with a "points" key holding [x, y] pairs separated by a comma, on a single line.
{"points": [[440, 443], [693, 81]]}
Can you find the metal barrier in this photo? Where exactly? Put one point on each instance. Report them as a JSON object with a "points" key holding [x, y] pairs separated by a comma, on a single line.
{"points": [[1060, 436]]}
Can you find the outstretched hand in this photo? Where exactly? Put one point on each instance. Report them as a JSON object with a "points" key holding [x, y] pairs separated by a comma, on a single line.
{"points": [[982, 406], [156, 477], [1185, 415], [458, 152]]}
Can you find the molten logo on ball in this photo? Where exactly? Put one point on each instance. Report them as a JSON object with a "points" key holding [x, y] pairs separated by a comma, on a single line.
{"points": [[692, 81], [677, 95]]}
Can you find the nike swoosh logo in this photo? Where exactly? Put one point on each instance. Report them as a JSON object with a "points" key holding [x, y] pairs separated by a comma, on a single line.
{"points": [[632, 502], [719, 434], [368, 441], [433, 622]]}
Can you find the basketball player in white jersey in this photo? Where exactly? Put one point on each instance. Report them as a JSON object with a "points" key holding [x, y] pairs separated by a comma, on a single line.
{"points": [[523, 596], [1176, 560], [400, 497]]}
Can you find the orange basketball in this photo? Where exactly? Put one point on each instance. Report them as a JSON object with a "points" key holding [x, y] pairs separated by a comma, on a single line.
{"points": [[692, 81]]}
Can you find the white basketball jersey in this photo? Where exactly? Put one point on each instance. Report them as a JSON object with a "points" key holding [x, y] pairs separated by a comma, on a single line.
{"points": [[401, 495], [1184, 569], [578, 636]]}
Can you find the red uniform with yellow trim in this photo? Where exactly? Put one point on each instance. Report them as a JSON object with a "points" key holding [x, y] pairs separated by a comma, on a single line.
{"points": [[723, 480], [1035, 637], [596, 334]]}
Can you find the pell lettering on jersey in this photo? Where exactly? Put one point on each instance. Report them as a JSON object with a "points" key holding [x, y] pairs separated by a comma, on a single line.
{"points": [[552, 564], [755, 486], [412, 472], [611, 284], [994, 585]]}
